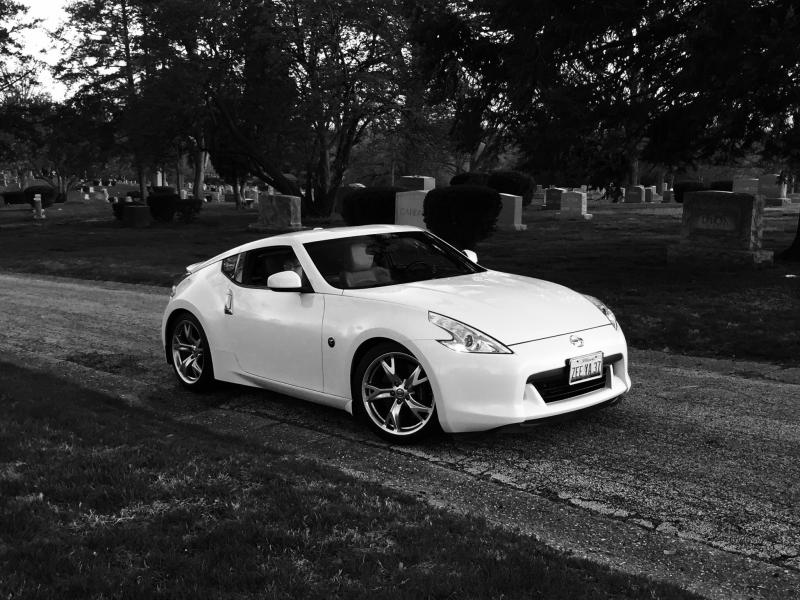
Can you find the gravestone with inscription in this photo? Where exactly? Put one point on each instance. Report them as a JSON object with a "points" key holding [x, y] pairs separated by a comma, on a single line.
{"points": [[650, 194], [408, 208], [745, 185], [721, 227], [573, 206], [510, 217], [552, 198], [634, 194], [277, 212]]}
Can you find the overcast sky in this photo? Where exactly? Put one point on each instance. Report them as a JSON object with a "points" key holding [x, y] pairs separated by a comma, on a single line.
{"points": [[37, 42]]}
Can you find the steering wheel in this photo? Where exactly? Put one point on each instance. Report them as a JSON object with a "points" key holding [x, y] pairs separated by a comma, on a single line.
{"points": [[419, 265]]}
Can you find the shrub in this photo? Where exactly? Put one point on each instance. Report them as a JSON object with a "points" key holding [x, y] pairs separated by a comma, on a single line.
{"points": [[369, 205], [188, 208], [472, 178], [682, 187], [462, 215], [163, 202], [515, 183], [723, 185], [17, 197], [47, 192], [505, 182]]}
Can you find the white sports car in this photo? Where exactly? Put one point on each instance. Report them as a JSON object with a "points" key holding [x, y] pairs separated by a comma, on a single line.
{"points": [[393, 324]]}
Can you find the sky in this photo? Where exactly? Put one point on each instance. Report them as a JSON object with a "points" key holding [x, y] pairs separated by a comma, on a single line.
{"points": [[38, 44]]}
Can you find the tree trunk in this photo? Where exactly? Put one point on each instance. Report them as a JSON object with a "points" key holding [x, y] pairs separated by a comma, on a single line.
{"points": [[199, 174], [236, 195], [142, 182]]}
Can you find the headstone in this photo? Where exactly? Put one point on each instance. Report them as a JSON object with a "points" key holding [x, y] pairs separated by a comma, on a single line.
{"points": [[98, 194], [538, 197], [552, 198], [277, 211], [721, 228], [635, 194], [75, 196], [772, 190], [38, 211], [745, 185], [510, 218], [250, 197], [667, 196], [416, 182], [573, 206], [408, 208]]}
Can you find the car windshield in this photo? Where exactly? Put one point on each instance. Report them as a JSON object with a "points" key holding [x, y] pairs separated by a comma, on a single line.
{"points": [[387, 259]]}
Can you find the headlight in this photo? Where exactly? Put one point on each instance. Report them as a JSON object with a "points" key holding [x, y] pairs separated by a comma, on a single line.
{"points": [[603, 309], [466, 339]]}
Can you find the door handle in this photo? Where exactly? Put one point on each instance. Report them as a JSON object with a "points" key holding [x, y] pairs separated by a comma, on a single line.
{"points": [[229, 303]]}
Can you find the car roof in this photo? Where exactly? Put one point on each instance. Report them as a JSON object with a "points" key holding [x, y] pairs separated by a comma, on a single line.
{"points": [[304, 236]]}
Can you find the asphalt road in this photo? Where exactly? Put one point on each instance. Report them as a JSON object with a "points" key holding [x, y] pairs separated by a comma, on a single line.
{"points": [[694, 478]]}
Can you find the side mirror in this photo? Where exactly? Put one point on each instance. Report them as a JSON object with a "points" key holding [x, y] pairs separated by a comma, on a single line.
{"points": [[470, 254], [285, 281]]}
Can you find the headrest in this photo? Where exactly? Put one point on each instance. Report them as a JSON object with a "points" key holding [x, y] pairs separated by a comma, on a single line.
{"points": [[359, 259]]}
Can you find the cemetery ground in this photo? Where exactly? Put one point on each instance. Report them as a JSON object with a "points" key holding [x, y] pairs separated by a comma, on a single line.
{"points": [[115, 480], [620, 256]]}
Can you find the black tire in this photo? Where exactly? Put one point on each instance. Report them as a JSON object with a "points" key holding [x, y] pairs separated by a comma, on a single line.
{"points": [[190, 352], [402, 407]]}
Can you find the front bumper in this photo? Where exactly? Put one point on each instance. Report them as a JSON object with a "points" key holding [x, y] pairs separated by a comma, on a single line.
{"points": [[484, 391]]}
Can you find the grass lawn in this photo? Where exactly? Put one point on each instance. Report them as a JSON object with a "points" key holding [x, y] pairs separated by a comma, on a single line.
{"points": [[99, 500], [619, 256]]}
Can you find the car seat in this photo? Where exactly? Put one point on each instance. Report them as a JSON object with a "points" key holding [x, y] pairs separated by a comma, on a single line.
{"points": [[361, 269]]}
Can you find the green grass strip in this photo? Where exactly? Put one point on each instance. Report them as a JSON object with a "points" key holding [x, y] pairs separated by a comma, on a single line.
{"points": [[101, 500]]}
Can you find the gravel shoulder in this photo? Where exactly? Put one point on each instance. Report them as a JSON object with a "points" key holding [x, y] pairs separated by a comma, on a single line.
{"points": [[694, 479]]}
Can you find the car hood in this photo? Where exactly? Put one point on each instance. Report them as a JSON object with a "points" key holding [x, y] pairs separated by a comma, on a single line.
{"points": [[510, 308]]}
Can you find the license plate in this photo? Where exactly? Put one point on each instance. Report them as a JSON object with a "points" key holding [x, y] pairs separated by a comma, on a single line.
{"points": [[585, 368]]}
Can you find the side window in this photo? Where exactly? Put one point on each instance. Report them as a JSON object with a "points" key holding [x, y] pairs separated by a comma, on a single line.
{"points": [[259, 264], [229, 267]]}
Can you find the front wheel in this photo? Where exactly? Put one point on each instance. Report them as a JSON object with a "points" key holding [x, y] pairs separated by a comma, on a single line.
{"points": [[392, 391], [191, 356]]}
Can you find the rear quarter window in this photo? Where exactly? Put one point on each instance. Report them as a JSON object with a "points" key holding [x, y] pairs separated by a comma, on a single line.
{"points": [[229, 267]]}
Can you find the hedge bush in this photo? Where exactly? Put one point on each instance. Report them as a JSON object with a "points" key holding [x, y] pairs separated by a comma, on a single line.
{"points": [[369, 205], [462, 215], [471, 178], [47, 192], [723, 185], [163, 202], [16, 197], [682, 187], [515, 183], [188, 208]]}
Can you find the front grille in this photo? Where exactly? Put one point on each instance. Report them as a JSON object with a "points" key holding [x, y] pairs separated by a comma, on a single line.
{"points": [[554, 386]]}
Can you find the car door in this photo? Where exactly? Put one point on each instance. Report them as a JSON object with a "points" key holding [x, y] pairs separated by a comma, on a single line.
{"points": [[275, 334]]}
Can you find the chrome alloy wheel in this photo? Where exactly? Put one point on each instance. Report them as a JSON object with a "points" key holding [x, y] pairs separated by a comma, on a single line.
{"points": [[188, 351], [396, 394]]}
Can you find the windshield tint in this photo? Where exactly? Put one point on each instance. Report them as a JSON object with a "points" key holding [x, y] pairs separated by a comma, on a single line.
{"points": [[387, 259]]}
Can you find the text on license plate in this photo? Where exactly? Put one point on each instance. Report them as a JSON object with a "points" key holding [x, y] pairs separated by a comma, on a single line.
{"points": [[584, 368]]}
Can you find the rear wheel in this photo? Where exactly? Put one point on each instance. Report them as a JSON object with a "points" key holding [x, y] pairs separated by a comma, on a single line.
{"points": [[393, 393], [191, 356]]}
